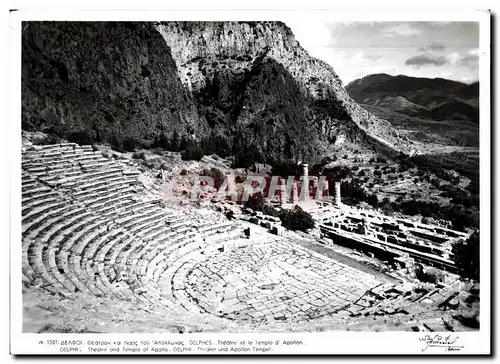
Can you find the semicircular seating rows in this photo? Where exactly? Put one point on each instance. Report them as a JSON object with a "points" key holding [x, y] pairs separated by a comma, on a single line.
{"points": [[90, 226]]}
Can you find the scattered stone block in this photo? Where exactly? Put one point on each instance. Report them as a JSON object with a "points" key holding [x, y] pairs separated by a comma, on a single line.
{"points": [[278, 230], [265, 224], [254, 220]]}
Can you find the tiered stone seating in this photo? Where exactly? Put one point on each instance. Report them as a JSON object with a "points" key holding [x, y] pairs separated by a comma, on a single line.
{"points": [[90, 227]]}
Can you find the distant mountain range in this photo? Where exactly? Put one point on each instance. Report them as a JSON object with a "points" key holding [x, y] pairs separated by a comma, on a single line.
{"points": [[435, 99]]}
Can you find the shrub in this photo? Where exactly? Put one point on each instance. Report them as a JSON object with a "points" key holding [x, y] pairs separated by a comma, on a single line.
{"points": [[81, 137], [255, 202], [247, 155], [49, 139], [386, 206], [153, 163], [430, 275], [385, 201], [162, 141], [296, 219], [183, 172], [473, 186], [193, 151], [116, 144], [466, 256], [268, 209], [372, 200], [139, 155], [218, 176], [129, 144]]}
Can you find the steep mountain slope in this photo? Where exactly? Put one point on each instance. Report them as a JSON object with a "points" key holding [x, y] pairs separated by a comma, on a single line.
{"points": [[112, 80], [436, 99], [277, 85], [249, 82]]}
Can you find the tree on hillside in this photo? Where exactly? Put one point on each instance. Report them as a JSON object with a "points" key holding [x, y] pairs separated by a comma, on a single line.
{"points": [[218, 176], [174, 144], [466, 256], [372, 199], [246, 156], [193, 151]]}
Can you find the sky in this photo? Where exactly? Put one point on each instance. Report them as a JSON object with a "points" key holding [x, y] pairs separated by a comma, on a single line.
{"points": [[419, 49]]}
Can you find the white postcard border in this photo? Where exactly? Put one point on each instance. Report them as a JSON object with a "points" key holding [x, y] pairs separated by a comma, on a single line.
{"points": [[315, 343]]}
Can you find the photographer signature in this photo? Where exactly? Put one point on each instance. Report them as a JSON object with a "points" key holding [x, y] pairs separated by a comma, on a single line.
{"points": [[449, 342]]}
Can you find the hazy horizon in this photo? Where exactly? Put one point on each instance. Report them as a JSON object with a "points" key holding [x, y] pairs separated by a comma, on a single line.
{"points": [[448, 50]]}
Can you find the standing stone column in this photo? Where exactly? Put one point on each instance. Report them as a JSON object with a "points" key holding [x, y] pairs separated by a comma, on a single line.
{"points": [[337, 194], [295, 192], [315, 185], [282, 191], [305, 182]]}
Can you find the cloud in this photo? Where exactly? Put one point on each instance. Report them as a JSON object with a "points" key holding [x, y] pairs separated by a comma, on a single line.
{"points": [[372, 57], [474, 52], [362, 57], [403, 30], [424, 60], [433, 47], [420, 49], [453, 57], [470, 59]]}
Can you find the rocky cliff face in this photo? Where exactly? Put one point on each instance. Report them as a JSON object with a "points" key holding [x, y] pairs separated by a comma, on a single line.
{"points": [[110, 79], [250, 82], [261, 68]]}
